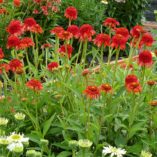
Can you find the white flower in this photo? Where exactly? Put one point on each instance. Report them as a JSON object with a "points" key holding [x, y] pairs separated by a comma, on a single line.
{"points": [[85, 143], [17, 138], [19, 116], [120, 1], [113, 151], [3, 121], [145, 154], [15, 147], [4, 141], [104, 1]]}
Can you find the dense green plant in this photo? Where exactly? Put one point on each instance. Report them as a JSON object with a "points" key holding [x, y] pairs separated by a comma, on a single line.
{"points": [[129, 13], [89, 11]]}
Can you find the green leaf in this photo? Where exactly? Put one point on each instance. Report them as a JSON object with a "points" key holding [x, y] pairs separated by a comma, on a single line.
{"points": [[47, 124], [64, 154]]}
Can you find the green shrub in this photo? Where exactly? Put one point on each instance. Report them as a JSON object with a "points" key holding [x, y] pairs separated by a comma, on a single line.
{"points": [[128, 13], [89, 11]]}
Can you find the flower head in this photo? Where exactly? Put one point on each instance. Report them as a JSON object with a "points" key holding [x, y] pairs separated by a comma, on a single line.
{"points": [[122, 31], [52, 66], [17, 3], [86, 32], [119, 41], [57, 30], [16, 66], [65, 35], [13, 42], [71, 13], [17, 138], [132, 84], [106, 88], [19, 116], [66, 50], [147, 40], [137, 31], [145, 154], [130, 79], [145, 58], [4, 141], [26, 43], [92, 92], [153, 103], [34, 85], [74, 30], [31, 25], [5, 67], [15, 147], [113, 151], [111, 22], [1, 54], [15, 27], [151, 82], [84, 143], [102, 40], [3, 121]]}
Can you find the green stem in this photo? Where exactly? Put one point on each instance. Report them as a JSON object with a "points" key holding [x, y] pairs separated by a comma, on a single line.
{"points": [[79, 52]]}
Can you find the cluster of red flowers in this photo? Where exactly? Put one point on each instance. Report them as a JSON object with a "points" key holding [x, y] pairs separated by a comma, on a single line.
{"points": [[46, 7], [93, 92], [16, 28], [34, 85], [141, 37], [52, 66], [132, 84], [16, 66]]}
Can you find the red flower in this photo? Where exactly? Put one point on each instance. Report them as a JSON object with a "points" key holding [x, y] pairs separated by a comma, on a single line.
{"points": [[106, 88], [102, 39], [71, 13], [122, 31], [57, 30], [31, 25], [1, 54], [92, 92], [66, 49], [15, 28], [46, 45], [132, 84], [151, 82], [145, 58], [16, 66], [86, 32], [3, 11], [44, 10], [86, 72], [147, 40], [74, 30], [134, 87], [111, 22], [52, 66], [119, 41], [137, 31], [37, 29], [1, 1], [65, 35], [34, 85], [35, 11], [26, 43], [13, 42], [37, 1], [17, 3], [130, 79], [153, 103], [4, 67]]}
